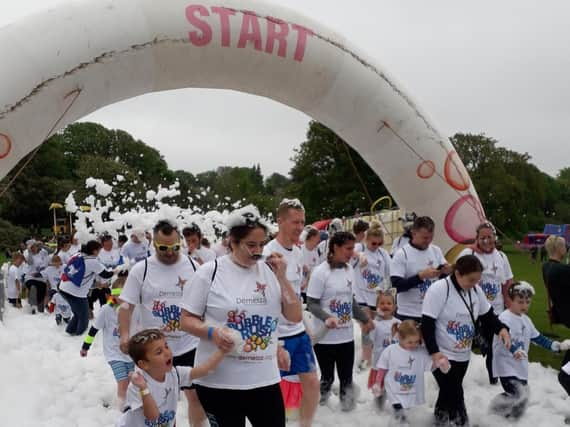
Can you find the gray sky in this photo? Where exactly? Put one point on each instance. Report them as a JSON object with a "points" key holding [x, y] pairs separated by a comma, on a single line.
{"points": [[498, 67]]}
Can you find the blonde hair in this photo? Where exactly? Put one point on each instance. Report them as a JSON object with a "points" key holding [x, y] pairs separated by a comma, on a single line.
{"points": [[375, 230], [553, 243], [408, 328]]}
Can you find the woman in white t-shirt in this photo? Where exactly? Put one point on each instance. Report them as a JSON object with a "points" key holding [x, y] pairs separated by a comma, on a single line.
{"points": [[239, 293], [76, 280], [330, 298], [37, 259], [450, 311], [495, 281]]}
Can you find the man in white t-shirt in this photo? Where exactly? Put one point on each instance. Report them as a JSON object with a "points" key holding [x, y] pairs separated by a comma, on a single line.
{"points": [[291, 221], [136, 249], [415, 267], [156, 286]]}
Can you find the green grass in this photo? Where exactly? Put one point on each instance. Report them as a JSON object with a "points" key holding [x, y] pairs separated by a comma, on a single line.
{"points": [[524, 269]]}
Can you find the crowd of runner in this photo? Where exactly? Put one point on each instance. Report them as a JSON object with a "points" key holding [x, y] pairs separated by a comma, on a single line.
{"points": [[256, 325]]}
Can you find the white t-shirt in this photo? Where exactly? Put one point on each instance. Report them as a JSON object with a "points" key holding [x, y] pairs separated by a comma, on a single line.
{"points": [[110, 259], [374, 276], [407, 262], [220, 249], [382, 337], [73, 249], [36, 263], [107, 322], [92, 269], [496, 271], [294, 259], [522, 330], [13, 275], [160, 298], [454, 328], [165, 394], [404, 381], [64, 256], [322, 251], [333, 287], [52, 274], [135, 252], [249, 301], [310, 258], [399, 243], [203, 254], [61, 306]]}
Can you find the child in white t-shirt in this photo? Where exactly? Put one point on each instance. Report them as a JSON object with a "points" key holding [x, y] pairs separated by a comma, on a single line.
{"points": [[14, 281], [152, 396], [107, 322], [401, 370], [511, 366], [60, 307], [384, 334], [52, 274]]}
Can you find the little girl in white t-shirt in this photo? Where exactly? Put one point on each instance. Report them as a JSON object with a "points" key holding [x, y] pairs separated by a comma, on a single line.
{"points": [[401, 369], [384, 334]]}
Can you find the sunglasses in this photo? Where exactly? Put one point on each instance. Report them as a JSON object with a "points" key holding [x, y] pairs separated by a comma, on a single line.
{"points": [[163, 248], [147, 336]]}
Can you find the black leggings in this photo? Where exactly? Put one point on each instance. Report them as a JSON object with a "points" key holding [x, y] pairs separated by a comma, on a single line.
{"points": [[450, 405], [36, 293], [488, 354], [262, 406], [563, 377], [341, 355]]}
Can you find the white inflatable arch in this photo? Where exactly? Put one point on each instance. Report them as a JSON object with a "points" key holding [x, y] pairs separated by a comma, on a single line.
{"points": [[65, 63]]}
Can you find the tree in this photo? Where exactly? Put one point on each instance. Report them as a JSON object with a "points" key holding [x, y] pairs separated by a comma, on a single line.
{"points": [[324, 178]]}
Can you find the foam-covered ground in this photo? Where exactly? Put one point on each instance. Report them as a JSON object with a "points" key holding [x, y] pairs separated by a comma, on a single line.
{"points": [[44, 382]]}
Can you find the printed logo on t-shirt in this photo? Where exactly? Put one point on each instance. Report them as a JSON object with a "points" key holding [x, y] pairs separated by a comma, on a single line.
{"points": [[462, 333], [170, 315], [63, 307], [423, 287], [342, 310], [255, 330], [372, 280], [116, 332], [405, 381], [258, 297], [162, 421], [181, 282], [491, 290]]}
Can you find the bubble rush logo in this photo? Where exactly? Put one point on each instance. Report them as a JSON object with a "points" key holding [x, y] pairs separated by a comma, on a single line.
{"points": [[462, 333], [406, 381], [256, 330], [342, 310], [490, 289], [423, 287], [163, 420], [372, 280], [170, 315]]}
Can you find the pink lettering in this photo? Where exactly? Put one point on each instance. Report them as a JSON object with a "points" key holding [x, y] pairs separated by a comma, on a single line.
{"points": [[280, 36], [302, 34], [225, 14], [203, 37], [250, 31]]}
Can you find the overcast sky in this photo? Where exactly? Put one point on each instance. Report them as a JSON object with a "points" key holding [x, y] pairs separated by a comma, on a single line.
{"points": [[498, 67]]}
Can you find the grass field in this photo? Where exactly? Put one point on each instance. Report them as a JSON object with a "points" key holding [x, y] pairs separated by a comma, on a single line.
{"points": [[523, 269]]}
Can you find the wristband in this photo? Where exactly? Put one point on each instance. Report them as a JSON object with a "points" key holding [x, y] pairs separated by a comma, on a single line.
{"points": [[144, 392], [210, 332]]}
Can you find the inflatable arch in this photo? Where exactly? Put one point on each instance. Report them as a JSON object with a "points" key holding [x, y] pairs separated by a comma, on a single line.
{"points": [[65, 63]]}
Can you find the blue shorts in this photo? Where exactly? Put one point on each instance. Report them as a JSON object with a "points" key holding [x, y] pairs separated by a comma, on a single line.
{"points": [[121, 369], [301, 352]]}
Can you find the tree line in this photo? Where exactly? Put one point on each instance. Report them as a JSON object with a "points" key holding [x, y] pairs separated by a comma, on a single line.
{"points": [[327, 175]]}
